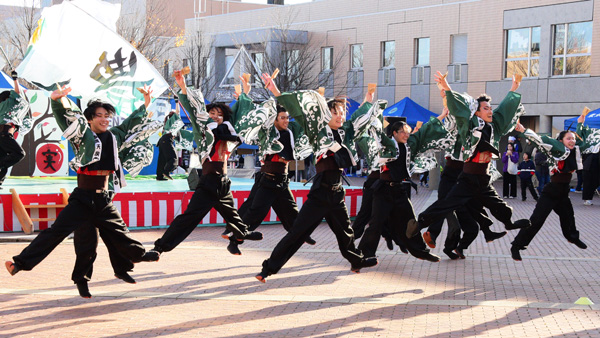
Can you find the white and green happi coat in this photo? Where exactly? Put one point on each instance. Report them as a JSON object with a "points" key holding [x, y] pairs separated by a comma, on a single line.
{"points": [[588, 142], [183, 138], [370, 142], [310, 110], [15, 109], [469, 126], [256, 124], [130, 140], [246, 120], [431, 137]]}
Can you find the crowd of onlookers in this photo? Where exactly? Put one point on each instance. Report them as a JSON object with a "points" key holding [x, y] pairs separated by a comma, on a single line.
{"points": [[532, 168]]}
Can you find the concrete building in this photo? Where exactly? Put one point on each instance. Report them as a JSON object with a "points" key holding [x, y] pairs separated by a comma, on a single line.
{"points": [[399, 44]]}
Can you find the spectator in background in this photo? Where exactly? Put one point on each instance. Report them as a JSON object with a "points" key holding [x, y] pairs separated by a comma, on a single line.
{"points": [[542, 170], [510, 159], [591, 177], [526, 172]]}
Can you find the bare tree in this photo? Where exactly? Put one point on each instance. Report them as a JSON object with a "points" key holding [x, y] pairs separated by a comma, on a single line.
{"points": [[149, 28], [16, 29], [195, 53]]}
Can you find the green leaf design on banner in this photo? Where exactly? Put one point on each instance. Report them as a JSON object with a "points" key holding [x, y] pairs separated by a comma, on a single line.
{"points": [[34, 98]]}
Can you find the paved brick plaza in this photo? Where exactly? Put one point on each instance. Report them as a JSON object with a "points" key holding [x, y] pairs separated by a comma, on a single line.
{"points": [[201, 290]]}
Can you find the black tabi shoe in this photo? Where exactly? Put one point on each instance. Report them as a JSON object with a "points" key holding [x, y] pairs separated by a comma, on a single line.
{"points": [[430, 257], [520, 224], [310, 241], [12, 268], [402, 248], [168, 177], [515, 254], [262, 277], [227, 234], [151, 256], [365, 263], [389, 243], [125, 277], [450, 254], [492, 236], [161, 179], [83, 289], [428, 240], [412, 228], [233, 248], [579, 244], [253, 236], [459, 253]]}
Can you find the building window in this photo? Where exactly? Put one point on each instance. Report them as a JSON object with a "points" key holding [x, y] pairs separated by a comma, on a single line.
{"points": [[459, 49], [522, 52], [356, 54], [327, 58], [422, 52], [388, 53], [229, 68], [572, 49]]}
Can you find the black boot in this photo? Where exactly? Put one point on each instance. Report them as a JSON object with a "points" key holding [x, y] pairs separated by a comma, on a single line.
{"points": [[83, 289], [233, 248], [125, 277]]}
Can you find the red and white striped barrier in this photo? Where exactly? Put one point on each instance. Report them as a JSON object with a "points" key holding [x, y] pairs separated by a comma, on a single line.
{"points": [[147, 209]]}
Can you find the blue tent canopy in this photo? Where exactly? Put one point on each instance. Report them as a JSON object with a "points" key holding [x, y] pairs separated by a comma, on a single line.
{"points": [[592, 120], [351, 107], [409, 109]]}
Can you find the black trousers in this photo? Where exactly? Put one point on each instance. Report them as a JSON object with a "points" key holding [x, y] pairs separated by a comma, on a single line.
{"points": [[213, 191], [554, 197], [364, 214], [591, 181], [85, 208], [391, 203], [269, 191], [528, 184], [11, 153], [509, 185], [85, 241], [325, 200], [167, 157], [469, 189]]}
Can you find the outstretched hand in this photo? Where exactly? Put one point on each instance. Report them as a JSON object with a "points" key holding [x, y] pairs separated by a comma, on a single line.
{"points": [[519, 127], [441, 80], [178, 74], [146, 91], [369, 97], [516, 82], [60, 93], [266, 77], [245, 85]]}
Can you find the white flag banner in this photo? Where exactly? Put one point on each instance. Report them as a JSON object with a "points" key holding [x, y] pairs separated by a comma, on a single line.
{"points": [[76, 44]]}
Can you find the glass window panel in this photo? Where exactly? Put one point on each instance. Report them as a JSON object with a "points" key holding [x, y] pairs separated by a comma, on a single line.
{"points": [[327, 58], [578, 65], [534, 68], [535, 41], [516, 67], [557, 66], [579, 38], [517, 45], [559, 39], [423, 52], [357, 56], [459, 48], [389, 53]]}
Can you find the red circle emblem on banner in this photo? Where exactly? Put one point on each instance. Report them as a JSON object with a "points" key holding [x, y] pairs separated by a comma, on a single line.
{"points": [[49, 158]]}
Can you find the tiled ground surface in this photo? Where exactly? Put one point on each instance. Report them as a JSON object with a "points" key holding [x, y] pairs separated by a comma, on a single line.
{"points": [[201, 290]]}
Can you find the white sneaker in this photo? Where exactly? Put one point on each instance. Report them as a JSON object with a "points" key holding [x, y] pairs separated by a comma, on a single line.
{"points": [[588, 202]]}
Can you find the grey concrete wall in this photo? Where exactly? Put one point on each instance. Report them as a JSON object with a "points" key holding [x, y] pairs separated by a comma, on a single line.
{"points": [[386, 92]]}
